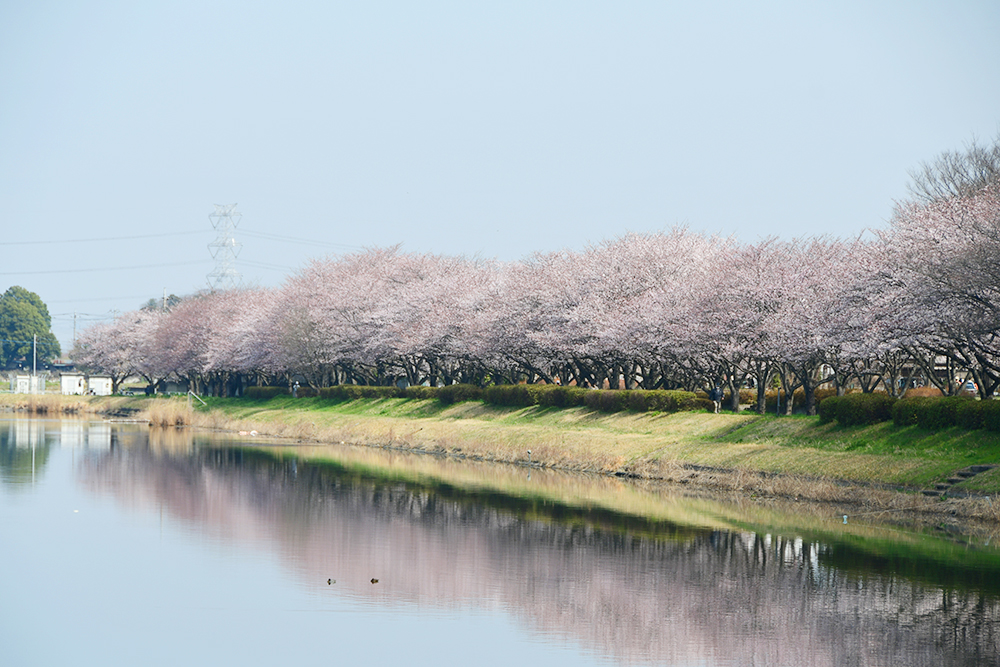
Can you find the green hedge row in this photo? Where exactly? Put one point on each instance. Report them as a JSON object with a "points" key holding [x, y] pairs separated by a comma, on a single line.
{"points": [[645, 401], [350, 392], [518, 395], [856, 409], [928, 412], [522, 395], [605, 400], [421, 392], [264, 393], [459, 393], [935, 413]]}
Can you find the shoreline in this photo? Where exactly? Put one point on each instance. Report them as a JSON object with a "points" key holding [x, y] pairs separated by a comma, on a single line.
{"points": [[640, 447]]}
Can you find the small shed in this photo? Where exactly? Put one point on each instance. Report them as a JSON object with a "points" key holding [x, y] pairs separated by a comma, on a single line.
{"points": [[99, 385], [73, 384], [27, 384]]}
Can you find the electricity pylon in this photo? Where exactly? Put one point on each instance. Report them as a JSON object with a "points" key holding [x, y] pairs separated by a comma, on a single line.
{"points": [[225, 248]]}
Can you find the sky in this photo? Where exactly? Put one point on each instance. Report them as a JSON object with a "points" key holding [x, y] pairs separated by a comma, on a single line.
{"points": [[490, 130]]}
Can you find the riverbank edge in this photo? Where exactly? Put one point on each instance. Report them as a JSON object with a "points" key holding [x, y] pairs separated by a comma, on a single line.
{"points": [[859, 496]]}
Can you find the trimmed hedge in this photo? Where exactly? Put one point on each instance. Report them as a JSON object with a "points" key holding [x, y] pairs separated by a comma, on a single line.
{"points": [[969, 414], [512, 395], [457, 393], [608, 400], [420, 391], [517, 395], [936, 413], [350, 392], [557, 396], [972, 414], [603, 400], [856, 409], [941, 413], [702, 404], [265, 393], [662, 400], [904, 413], [991, 415]]}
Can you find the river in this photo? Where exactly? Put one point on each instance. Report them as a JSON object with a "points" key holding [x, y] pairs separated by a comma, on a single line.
{"points": [[125, 545]]}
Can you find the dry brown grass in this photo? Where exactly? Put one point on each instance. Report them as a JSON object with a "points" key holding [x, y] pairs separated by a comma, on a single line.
{"points": [[167, 413], [917, 392], [43, 404]]}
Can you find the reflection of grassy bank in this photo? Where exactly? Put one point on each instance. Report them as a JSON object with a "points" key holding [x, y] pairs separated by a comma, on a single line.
{"points": [[655, 511]]}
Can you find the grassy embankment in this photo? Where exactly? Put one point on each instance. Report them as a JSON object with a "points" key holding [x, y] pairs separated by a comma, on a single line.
{"points": [[645, 444], [654, 445]]}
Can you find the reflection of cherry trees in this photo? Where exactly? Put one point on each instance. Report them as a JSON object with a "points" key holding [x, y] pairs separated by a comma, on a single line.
{"points": [[674, 309], [686, 595]]}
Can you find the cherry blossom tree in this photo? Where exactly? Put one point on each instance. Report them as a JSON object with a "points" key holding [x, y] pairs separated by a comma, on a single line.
{"points": [[672, 309], [121, 348], [946, 268], [957, 174]]}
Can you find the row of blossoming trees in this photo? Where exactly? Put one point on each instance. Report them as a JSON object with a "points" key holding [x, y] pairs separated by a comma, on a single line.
{"points": [[675, 309]]}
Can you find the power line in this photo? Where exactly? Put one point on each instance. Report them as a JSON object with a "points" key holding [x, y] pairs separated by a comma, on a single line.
{"points": [[107, 238], [292, 239], [103, 298], [264, 265], [261, 235], [109, 268], [80, 316]]}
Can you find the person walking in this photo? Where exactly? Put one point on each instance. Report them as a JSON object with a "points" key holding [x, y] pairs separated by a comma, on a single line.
{"points": [[716, 396]]}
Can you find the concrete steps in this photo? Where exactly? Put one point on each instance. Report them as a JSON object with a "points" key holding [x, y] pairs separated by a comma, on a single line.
{"points": [[942, 488]]}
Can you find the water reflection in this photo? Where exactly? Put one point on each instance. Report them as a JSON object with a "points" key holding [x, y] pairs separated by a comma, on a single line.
{"points": [[24, 451], [26, 443], [639, 586]]}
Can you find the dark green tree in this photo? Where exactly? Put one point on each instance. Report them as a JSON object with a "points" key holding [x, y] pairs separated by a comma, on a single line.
{"points": [[23, 315], [167, 303]]}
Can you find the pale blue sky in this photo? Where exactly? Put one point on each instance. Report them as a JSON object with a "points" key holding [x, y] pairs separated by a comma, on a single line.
{"points": [[492, 129]]}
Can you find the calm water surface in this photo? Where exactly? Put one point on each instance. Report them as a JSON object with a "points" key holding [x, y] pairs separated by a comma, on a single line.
{"points": [[125, 546]]}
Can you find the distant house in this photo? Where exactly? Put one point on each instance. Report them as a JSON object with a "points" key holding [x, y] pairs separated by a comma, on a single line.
{"points": [[73, 384], [99, 385], [77, 384]]}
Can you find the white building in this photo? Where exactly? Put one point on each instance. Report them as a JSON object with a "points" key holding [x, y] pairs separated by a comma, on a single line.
{"points": [[27, 384], [73, 384], [99, 385]]}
